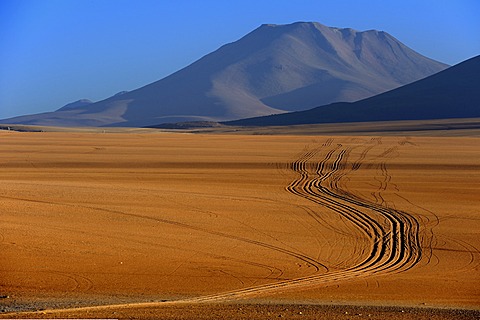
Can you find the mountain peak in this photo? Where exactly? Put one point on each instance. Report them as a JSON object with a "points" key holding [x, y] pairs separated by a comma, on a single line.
{"points": [[77, 104]]}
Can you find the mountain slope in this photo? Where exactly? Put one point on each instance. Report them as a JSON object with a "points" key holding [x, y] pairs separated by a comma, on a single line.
{"points": [[452, 93], [273, 69]]}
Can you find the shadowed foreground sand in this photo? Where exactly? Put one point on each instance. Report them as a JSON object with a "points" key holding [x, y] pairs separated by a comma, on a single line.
{"points": [[188, 226]]}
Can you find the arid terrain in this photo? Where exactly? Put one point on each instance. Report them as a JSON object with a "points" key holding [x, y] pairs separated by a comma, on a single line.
{"points": [[198, 226]]}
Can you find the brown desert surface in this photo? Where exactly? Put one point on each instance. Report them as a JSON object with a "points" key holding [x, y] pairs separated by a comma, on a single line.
{"points": [[193, 226]]}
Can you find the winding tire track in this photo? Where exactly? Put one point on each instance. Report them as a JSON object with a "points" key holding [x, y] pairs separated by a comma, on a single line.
{"points": [[394, 244], [393, 235]]}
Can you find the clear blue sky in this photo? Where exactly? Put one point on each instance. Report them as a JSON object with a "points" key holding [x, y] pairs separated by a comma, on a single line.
{"points": [[53, 52]]}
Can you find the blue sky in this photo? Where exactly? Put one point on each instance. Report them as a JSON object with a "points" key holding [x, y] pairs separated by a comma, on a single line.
{"points": [[53, 52]]}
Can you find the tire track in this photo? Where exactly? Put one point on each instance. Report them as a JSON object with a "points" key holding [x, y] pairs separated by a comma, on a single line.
{"points": [[392, 235], [397, 241], [389, 243]]}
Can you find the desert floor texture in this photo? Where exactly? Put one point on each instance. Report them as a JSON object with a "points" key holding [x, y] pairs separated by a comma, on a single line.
{"points": [[184, 226]]}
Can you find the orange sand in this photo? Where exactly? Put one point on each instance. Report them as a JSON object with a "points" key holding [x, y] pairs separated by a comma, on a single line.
{"points": [[122, 218]]}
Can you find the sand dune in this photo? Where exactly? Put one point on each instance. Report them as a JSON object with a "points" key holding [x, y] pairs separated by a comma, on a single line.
{"points": [[142, 221]]}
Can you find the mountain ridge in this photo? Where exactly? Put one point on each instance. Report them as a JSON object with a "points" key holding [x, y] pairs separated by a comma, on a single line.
{"points": [[273, 69], [451, 93]]}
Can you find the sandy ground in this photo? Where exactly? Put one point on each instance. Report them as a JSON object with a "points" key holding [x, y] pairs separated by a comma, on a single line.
{"points": [[185, 226]]}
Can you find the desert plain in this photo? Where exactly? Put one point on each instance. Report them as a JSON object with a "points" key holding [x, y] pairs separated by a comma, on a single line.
{"points": [[186, 226]]}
